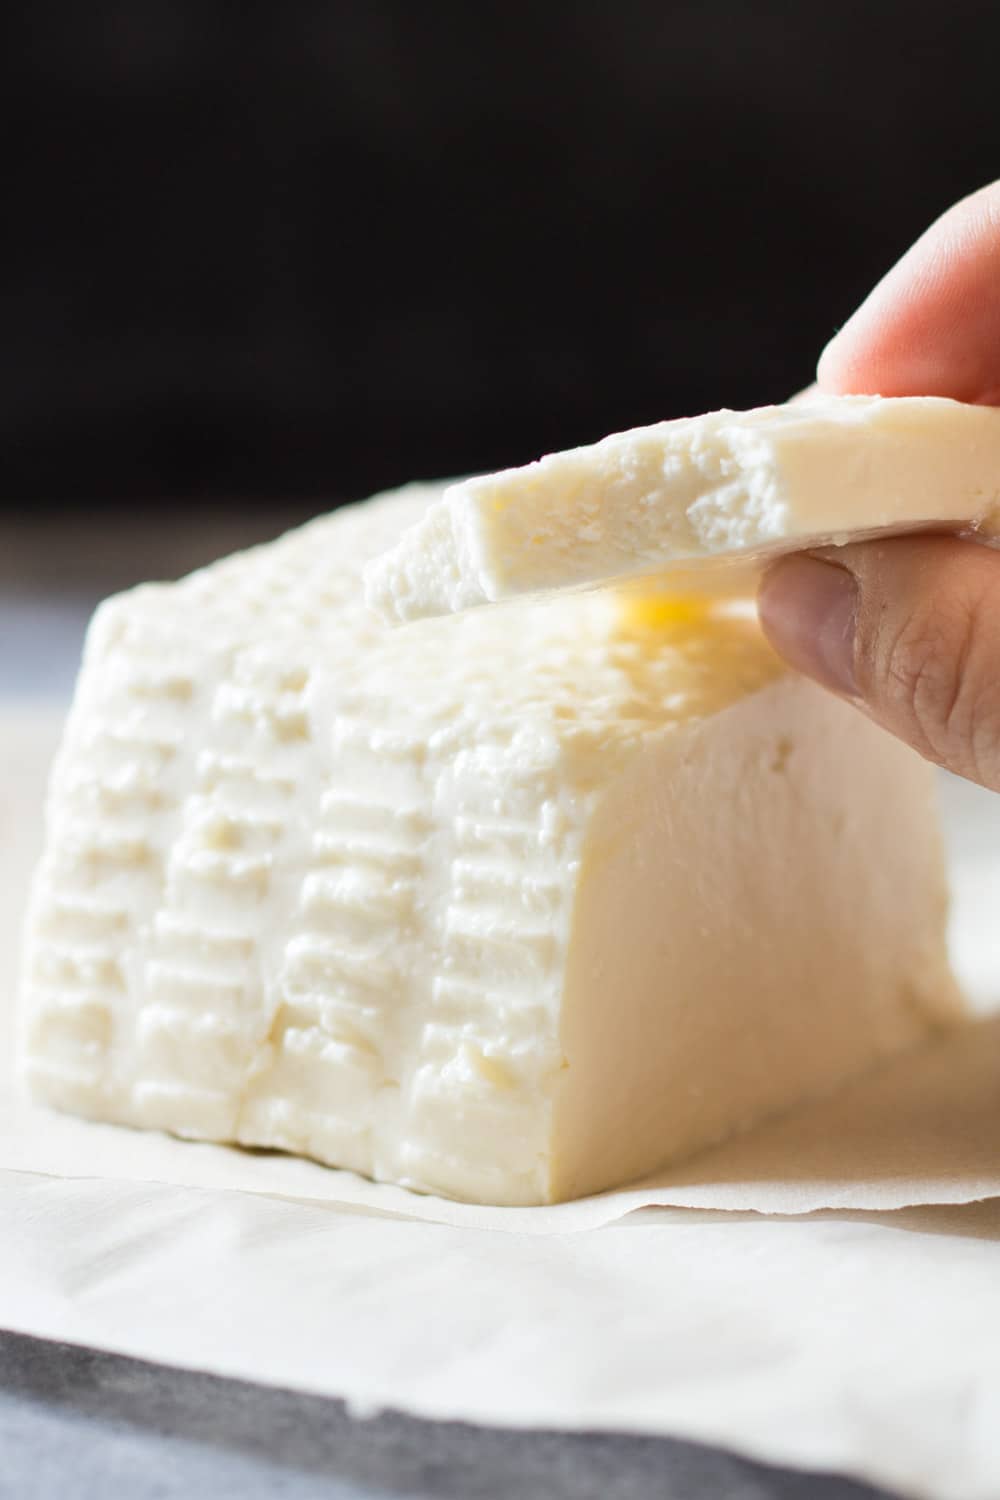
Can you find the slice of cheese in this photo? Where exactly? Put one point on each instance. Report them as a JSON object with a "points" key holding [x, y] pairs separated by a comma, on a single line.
{"points": [[704, 500], [510, 907]]}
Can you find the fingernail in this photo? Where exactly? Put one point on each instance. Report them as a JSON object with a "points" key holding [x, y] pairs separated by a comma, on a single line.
{"points": [[825, 357], [828, 350], [808, 610], [826, 366]]}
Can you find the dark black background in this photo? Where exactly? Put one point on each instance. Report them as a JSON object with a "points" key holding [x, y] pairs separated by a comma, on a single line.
{"points": [[305, 250]]}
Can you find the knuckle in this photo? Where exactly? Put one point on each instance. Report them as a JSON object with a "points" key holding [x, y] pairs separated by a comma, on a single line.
{"points": [[932, 672]]}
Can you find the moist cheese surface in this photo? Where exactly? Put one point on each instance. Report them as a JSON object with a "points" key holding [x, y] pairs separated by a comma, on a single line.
{"points": [[510, 907], [703, 500]]}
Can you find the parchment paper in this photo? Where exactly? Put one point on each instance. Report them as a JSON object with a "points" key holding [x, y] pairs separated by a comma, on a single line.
{"points": [[740, 1310]]}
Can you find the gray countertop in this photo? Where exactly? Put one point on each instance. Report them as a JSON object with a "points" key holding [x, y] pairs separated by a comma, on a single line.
{"points": [[78, 1423], [88, 1425]]}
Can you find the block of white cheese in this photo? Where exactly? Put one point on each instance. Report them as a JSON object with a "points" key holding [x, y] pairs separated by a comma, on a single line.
{"points": [[509, 907], [702, 500]]}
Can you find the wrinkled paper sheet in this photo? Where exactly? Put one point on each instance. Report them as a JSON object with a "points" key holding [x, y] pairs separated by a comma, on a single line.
{"points": [[824, 1292]]}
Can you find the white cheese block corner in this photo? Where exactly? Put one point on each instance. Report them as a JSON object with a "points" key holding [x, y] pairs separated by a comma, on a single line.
{"points": [[511, 908], [705, 500]]}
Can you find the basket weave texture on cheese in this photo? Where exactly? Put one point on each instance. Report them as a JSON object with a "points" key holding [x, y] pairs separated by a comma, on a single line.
{"points": [[510, 908], [707, 499]]}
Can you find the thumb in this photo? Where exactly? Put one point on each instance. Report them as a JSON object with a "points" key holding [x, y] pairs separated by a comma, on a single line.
{"points": [[909, 630]]}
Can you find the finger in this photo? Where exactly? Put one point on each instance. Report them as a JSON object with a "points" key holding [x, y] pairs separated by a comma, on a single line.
{"points": [[909, 629], [931, 327]]}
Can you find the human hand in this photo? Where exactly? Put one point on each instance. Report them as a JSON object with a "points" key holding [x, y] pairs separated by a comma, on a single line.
{"points": [[909, 628]]}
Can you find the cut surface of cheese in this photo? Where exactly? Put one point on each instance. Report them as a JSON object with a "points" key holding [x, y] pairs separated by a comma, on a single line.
{"points": [[703, 501], [511, 907]]}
